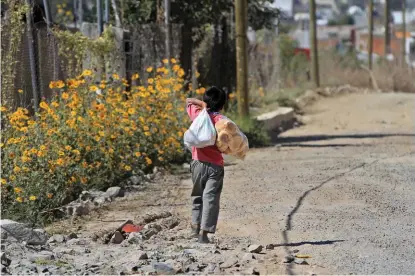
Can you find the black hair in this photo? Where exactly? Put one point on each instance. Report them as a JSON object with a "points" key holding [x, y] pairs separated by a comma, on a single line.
{"points": [[215, 99]]}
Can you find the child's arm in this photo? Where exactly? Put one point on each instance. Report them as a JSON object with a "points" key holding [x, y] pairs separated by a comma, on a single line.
{"points": [[197, 102], [194, 106]]}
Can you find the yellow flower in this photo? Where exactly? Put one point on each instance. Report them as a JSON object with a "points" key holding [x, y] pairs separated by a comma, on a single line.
{"points": [[137, 154], [61, 153], [68, 13], [3, 109], [65, 96], [54, 104], [19, 199], [165, 61], [3, 181], [12, 178], [17, 190], [135, 76], [84, 180], [1, 145], [232, 95], [17, 169], [173, 60], [127, 168], [68, 147], [161, 158], [150, 81], [77, 152], [93, 88], [59, 162], [60, 11], [149, 69], [115, 76], [146, 128], [32, 198], [56, 84], [87, 73], [49, 195], [176, 68], [148, 160], [147, 133], [73, 178], [131, 111], [180, 73], [101, 133], [44, 105], [102, 86], [42, 147], [20, 91]]}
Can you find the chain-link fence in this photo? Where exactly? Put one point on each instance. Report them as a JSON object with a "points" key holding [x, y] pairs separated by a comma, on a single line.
{"points": [[136, 48]]}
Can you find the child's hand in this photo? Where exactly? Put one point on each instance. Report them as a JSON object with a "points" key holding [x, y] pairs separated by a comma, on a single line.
{"points": [[197, 102]]}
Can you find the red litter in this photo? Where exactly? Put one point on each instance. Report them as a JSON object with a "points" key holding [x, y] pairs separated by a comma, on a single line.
{"points": [[131, 228]]}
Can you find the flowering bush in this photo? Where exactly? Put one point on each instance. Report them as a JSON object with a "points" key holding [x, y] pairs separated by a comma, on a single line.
{"points": [[90, 135]]}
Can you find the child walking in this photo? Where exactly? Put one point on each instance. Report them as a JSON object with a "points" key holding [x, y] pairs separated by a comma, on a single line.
{"points": [[206, 168]]}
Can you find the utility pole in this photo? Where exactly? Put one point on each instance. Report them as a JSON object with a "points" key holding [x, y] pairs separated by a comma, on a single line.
{"points": [[168, 28], [99, 17], [370, 39], [313, 43], [403, 32], [387, 29], [241, 24]]}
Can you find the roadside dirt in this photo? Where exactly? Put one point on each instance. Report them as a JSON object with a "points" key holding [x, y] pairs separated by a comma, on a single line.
{"points": [[339, 189]]}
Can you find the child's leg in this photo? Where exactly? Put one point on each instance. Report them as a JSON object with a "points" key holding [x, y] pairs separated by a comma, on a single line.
{"points": [[199, 178], [211, 198]]}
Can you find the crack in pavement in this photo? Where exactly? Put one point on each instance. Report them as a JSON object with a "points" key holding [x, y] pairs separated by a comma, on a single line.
{"points": [[288, 224]]}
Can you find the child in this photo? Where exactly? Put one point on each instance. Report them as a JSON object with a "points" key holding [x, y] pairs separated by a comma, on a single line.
{"points": [[207, 169]]}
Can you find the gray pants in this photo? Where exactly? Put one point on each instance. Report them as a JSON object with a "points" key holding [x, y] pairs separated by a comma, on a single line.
{"points": [[207, 187]]}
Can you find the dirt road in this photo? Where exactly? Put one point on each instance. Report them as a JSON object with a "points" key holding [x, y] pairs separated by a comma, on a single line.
{"points": [[340, 188]]}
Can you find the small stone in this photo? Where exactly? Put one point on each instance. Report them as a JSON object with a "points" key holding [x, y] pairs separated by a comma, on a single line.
{"points": [[57, 239], [80, 209], [229, 263], [72, 236], [211, 268], [5, 260], [87, 250], [270, 246], [148, 233], [136, 179], [289, 259], [77, 242], [248, 257], [114, 192], [42, 256], [135, 238], [3, 235], [142, 255], [295, 251], [255, 248], [300, 262], [252, 271], [117, 238], [166, 268]]}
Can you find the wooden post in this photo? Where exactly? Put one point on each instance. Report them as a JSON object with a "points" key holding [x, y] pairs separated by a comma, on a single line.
{"points": [[33, 69], [313, 43], [403, 33], [241, 22], [370, 37], [387, 29]]}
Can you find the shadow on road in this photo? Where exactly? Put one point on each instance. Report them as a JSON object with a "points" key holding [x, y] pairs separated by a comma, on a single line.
{"points": [[288, 222], [294, 244], [311, 138], [324, 146]]}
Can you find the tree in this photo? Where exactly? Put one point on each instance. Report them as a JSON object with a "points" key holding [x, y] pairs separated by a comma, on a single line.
{"points": [[313, 42], [387, 30]]}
